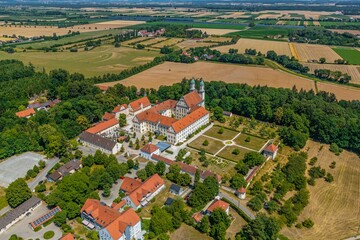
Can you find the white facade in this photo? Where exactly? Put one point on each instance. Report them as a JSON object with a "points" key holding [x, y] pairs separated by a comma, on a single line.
{"points": [[145, 201], [131, 232], [109, 132], [147, 155], [114, 151], [142, 109]]}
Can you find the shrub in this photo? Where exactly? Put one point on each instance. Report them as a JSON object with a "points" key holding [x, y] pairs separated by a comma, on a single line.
{"points": [[311, 181], [335, 149], [316, 172], [313, 161], [221, 130], [37, 229], [205, 143], [49, 234], [248, 139], [236, 151], [329, 178], [308, 223], [333, 165], [299, 225]]}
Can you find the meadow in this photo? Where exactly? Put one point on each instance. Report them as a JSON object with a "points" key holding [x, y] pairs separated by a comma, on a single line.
{"points": [[101, 60], [349, 54]]}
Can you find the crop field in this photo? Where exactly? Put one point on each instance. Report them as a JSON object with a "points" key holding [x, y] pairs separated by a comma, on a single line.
{"points": [[308, 52], [316, 23], [152, 41], [341, 92], [217, 39], [169, 42], [355, 32], [226, 135], [135, 40], [101, 60], [353, 71], [262, 32], [234, 15], [250, 141], [191, 43], [269, 16], [349, 54], [307, 14], [215, 31], [260, 45], [204, 25], [213, 147], [174, 72], [334, 207], [32, 31]]}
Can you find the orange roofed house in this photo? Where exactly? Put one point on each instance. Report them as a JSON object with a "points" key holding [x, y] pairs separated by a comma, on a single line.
{"points": [[139, 105], [175, 119], [141, 195], [25, 113], [111, 224]]}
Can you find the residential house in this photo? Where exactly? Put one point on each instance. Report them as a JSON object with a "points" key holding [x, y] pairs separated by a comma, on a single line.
{"points": [[16, 214], [110, 223], [142, 195], [100, 143], [68, 236], [216, 204], [270, 151], [148, 150], [105, 129], [27, 113], [66, 169], [176, 189]]}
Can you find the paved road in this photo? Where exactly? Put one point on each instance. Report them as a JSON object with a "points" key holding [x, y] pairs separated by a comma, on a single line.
{"points": [[50, 163], [236, 201]]}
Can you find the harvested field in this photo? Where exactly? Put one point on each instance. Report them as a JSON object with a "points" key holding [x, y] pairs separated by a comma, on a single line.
{"points": [[217, 39], [233, 15], [135, 40], [281, 22], [354, 32], [152, 41], [353, 71], [269, 16], [174, 72], [334, 207], [169, 42], [260, 45], [342, 92], [193, 43], [316, 23], [307, 14], [31, 31], [294, 53], [6, 39], [308, 52], [214, 31]]}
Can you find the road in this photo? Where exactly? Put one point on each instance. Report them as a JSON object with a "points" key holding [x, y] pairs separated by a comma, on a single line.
{"points": [[50, 163], [236, 201]]}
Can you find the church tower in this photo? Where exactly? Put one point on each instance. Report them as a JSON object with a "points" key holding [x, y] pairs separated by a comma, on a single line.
{"points": [[202, 92], [192, 85]]}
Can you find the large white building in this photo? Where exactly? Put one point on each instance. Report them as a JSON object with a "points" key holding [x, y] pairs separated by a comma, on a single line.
{"points": [[175, 119]]}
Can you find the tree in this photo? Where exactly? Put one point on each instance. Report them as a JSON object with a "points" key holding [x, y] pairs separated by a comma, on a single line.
{"points": [[238, 181], [252, 159], [308, 223], [236, 151], [255, 203], [161, 221], [262, 228], [17, 193], [60, 218], [130, 164], [221, 130], [160, 168], [322, 60], [150, 169], [218, 114], [142, 174], [122, 120], [218, 231], [205, 143], [204, 225], [329, 178]]}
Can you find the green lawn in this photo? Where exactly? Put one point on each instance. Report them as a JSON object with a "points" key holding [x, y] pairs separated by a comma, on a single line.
{"points": [[261, 32], [255, 142], [213, 147], [349, 54], [226, 135], [227, 153], [101, 60], [3, 202]]}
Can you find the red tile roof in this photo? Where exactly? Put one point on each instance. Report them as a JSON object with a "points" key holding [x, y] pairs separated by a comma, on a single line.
{"points": [[103, 87], [136, 105], [168, 104], [218, 204], [189, 119], [184, 167], [102, 126], [252, 174], [128, 185], [119, 205], [149, 148], [208, 173], [192, 99], [152, 184], [25, 113], [241, 190], [107, 116], [68, 236], [120, 108], [114, 221], [271, 148], [197, 216], [151, 116]]}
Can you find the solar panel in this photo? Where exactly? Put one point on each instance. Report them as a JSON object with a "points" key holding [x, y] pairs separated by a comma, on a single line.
{"points": [[46, 217], [163, 146]]}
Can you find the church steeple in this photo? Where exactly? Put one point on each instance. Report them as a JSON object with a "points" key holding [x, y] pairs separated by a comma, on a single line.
{"points": [[202, 92], [192, 85]]}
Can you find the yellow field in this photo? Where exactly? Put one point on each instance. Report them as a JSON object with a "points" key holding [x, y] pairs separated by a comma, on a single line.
{"points": [[269, 16], [341, 92], [316, 23], [334, 207], [214, 31], [308, 52], [169, 42], [355, 32], [233, 15], [281, 48], [294, 53], [353, 71], [6, 39], [307, 14], [139, 39], [174, 72], [152, 41], [217, 39], [193, 43], [32, 31]]}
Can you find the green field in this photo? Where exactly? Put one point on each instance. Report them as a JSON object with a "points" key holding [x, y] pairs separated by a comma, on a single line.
{"points": [[325, 24], [198, 25], [213, 147], [255, 142], [80, 37], [227, 153], [261, 32], [349, 54], [101, 60], [226, 135]]}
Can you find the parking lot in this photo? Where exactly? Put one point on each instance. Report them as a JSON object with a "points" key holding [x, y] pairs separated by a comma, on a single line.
{"points": [[17, 166]]}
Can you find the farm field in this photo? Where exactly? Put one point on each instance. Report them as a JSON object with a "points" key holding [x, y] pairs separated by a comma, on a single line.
{"points": [[204, 25], [213, 147], [135, 40], [262, 32], [214, 31], [353, 71], [227, 153], [308, 52], [341, 92], [226, 135], [254, 142], [31, 31], [281, 48], [334, 207], [191, 43], [307, 14], [169, 42], [174, 72], [152, 41], [233, 15], [355, 32], [349, 54], [104, 59]]}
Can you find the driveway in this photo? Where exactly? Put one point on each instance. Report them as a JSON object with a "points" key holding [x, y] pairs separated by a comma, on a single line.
{"points": [[50, 163], [236, 201]]}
